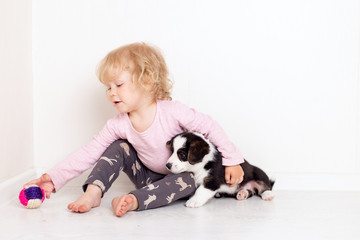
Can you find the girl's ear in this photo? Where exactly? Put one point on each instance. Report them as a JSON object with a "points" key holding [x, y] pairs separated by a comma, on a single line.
{"points": [[146, 81]]}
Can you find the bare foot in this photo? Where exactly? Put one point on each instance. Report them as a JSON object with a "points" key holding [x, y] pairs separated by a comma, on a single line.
{"points": [[90, 199], [124, 203]]}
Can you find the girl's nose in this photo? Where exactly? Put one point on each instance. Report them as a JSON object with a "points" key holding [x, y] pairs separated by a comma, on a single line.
{"points": [[111, 91]]}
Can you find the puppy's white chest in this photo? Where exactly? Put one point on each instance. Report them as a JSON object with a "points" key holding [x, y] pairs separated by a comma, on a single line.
{"points": [[200, 176]]}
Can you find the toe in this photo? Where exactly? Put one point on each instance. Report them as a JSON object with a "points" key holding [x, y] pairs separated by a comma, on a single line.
{"points": [[73, 208], [70, 206]]}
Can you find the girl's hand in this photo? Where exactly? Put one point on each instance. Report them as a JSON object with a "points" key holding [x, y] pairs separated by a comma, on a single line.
{"points": [[45, 183], [234, 175]]}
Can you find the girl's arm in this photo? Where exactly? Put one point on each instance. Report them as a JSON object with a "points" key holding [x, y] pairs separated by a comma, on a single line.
{"points": [[85, 157], [193, 120]]}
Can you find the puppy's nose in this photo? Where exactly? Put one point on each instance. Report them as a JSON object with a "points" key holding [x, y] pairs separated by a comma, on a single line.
{"points": [[168, 166]]}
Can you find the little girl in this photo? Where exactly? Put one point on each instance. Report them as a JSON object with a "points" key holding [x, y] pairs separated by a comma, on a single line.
{"points": [[134, 141]]}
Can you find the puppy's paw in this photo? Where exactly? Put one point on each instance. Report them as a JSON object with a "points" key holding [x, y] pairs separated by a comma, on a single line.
{"points": [[267, 195], [194, 203], [242, 195]]}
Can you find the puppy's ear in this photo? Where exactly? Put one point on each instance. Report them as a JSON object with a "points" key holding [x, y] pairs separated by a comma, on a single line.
{"points": [[197, 150], [169, 145]]}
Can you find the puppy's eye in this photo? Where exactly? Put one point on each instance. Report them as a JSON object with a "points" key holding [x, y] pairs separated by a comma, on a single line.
{"points": [[181, 156]]}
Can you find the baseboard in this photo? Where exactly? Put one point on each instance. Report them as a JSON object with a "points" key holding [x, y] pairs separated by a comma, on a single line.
{"points": [[11, 188], [316, 182]]}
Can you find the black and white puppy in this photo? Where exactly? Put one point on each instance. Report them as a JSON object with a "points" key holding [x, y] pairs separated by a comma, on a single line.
{"points": [[192, 152]]}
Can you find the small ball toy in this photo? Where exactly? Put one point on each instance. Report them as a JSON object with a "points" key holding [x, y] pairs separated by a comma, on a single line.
{"points": [[32, 196]]}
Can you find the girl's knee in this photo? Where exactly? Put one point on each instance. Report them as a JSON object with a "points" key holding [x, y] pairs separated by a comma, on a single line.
{"points": [[117, 143], [120, 145], [185, 180], [187, 175]]}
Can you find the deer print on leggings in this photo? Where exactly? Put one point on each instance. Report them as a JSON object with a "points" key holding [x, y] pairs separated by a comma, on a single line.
{"points": [[150, 199], [109, 160], [183, 185], [170, 198]]}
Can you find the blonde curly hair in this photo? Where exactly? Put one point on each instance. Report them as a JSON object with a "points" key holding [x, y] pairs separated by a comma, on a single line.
{"points": [[146, 64]]}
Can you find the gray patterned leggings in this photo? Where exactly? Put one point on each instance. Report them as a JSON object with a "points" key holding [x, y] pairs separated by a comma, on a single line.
{"points": [[153, 189]]}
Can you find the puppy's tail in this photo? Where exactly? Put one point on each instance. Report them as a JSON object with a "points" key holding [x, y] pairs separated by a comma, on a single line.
{"points": [[272, 182]]}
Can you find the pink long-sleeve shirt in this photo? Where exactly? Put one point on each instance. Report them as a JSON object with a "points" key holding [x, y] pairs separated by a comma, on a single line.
{"points": [[171, 118]]}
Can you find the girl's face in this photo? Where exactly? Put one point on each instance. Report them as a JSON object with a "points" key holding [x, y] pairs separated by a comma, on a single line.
{"points": [[126, 96]]}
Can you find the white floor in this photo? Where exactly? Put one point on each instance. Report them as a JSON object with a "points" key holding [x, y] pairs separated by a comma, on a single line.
{"points": [[291, 215]]}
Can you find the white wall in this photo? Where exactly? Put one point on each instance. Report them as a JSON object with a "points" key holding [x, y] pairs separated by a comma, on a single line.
{"points": [[282, 77], [16, 93]]}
